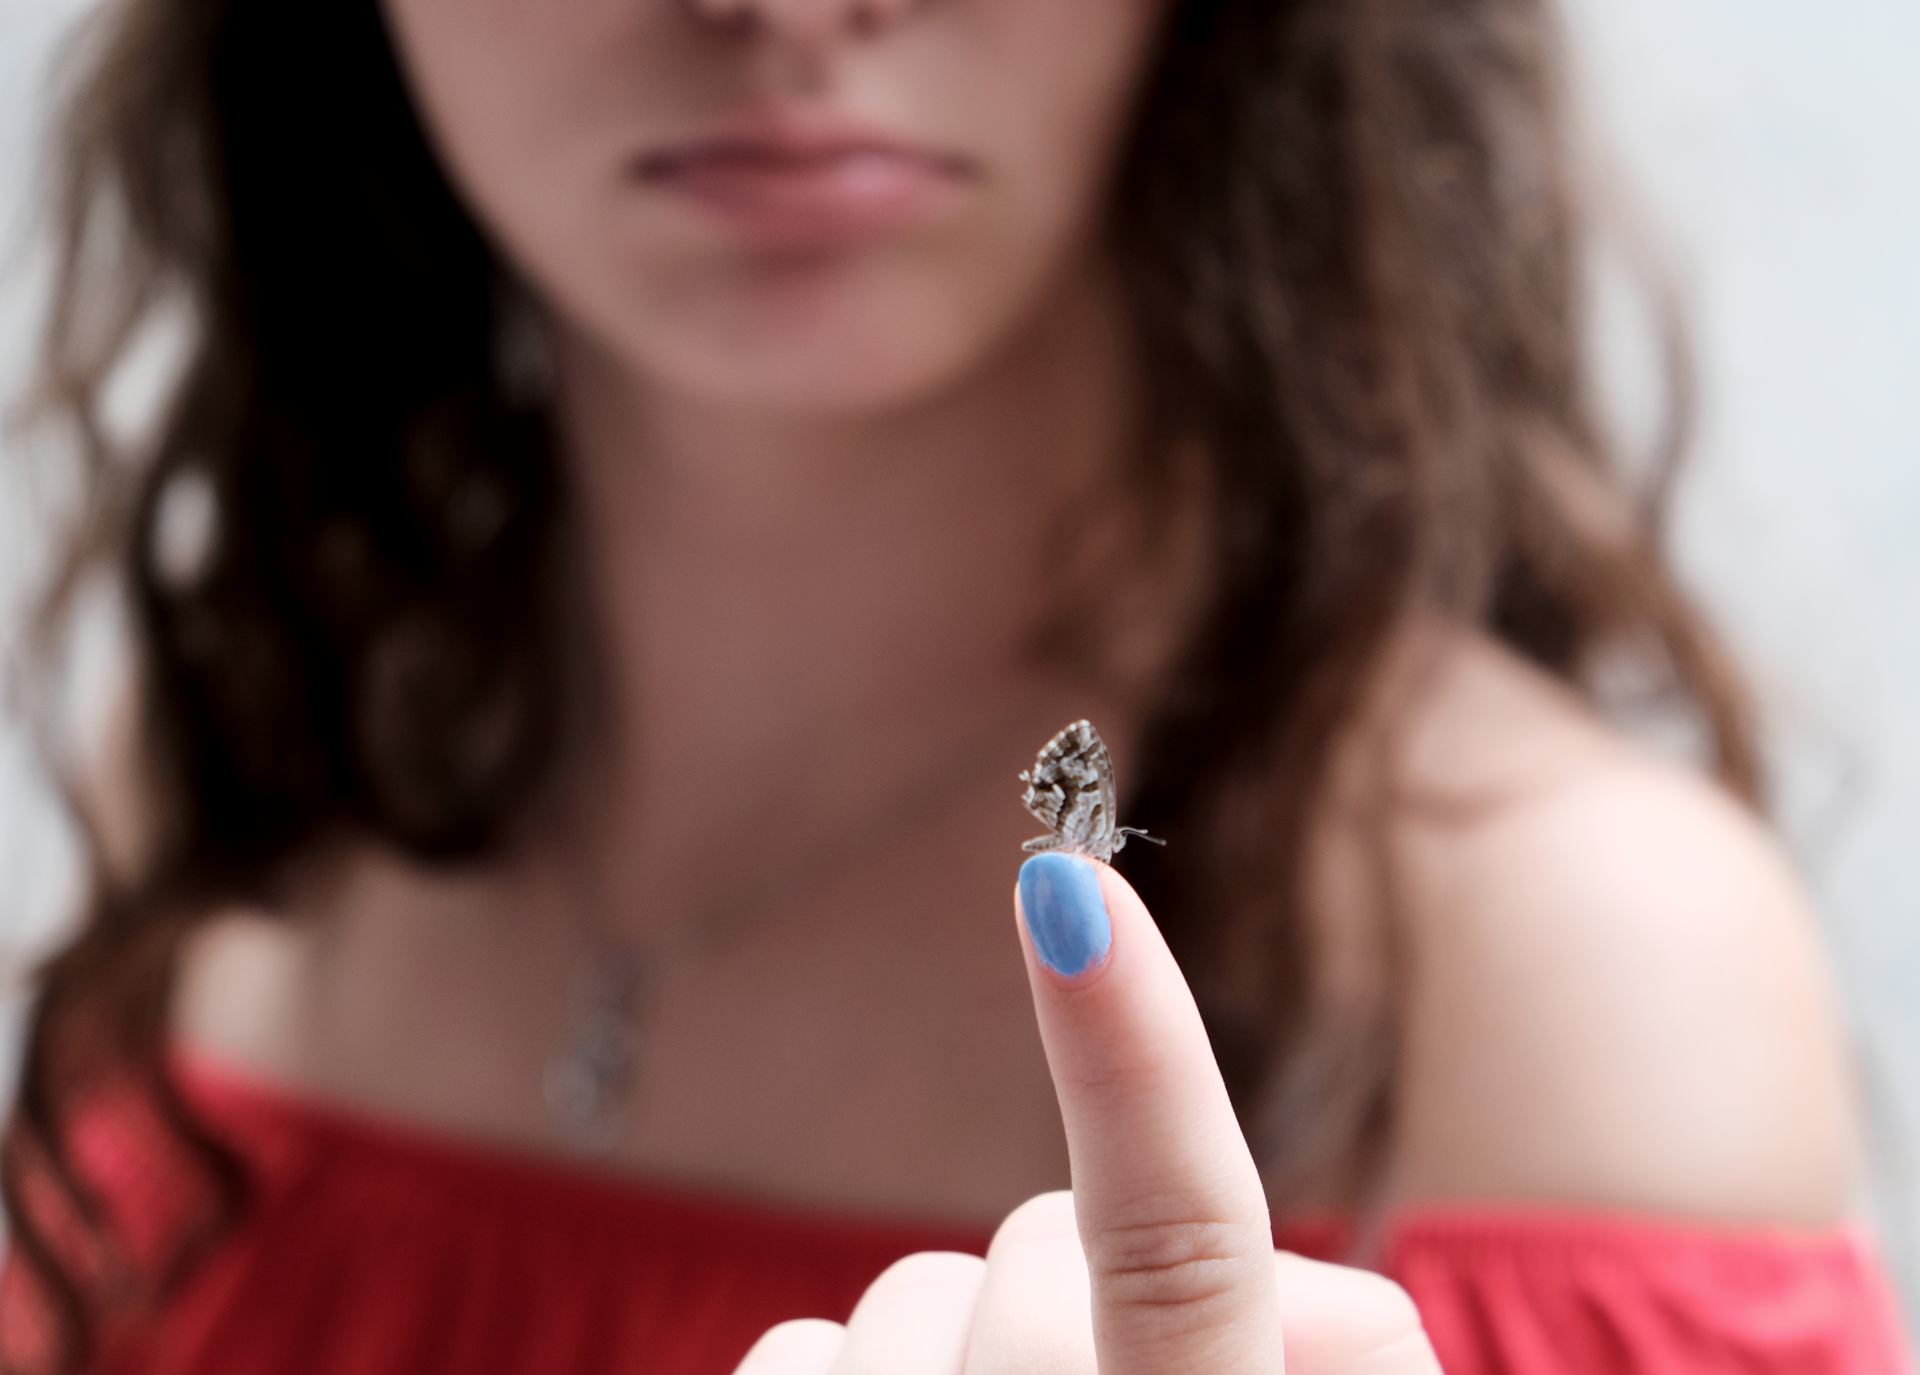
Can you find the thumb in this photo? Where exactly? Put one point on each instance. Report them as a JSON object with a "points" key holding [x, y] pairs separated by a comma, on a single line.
{"points": [[1171, 1211]]}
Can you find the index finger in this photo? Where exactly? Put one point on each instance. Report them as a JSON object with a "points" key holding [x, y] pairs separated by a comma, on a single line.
{"points": [[1169, 1204]]}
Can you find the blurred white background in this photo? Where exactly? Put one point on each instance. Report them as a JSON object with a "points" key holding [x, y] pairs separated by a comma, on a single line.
{"points": [[1777, 146]]}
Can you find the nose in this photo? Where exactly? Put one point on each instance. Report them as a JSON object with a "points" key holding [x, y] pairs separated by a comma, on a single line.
{"points": [[814, 19]]}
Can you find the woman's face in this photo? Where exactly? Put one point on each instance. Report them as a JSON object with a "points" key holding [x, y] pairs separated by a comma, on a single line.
{"points": [[815, 289]]}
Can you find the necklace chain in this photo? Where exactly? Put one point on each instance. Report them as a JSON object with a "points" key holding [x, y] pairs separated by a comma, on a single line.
{"points": [[590, 1076]]}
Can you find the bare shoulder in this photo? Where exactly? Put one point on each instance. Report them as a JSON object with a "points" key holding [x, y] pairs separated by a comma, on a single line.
{"points": [[1618, 990]]}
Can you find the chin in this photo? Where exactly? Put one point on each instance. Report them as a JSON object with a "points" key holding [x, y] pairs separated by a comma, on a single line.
{"points": [[819, 387], [857, 339]]}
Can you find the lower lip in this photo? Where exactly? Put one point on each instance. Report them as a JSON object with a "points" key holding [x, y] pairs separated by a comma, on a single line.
{"points": [[831, 202]]}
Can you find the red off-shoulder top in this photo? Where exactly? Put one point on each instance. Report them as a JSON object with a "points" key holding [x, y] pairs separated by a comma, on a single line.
{"points": [[380, 1248]]}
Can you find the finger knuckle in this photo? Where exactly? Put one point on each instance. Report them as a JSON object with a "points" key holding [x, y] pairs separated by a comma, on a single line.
{"points": [[1116, 1072], [1397, 1313], [1389, 1334], [790, 1343], [1044, 1217], [1170, 1264], [1408, 1351], [926, 1272], [1029, 1347]]}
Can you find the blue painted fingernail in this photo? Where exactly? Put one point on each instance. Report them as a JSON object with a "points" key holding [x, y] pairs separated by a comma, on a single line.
{"points": [[1066, 914]]}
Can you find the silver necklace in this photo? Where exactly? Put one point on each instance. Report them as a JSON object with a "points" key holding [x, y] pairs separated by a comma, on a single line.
{"points": [[588, 1078], [591, 1074]]}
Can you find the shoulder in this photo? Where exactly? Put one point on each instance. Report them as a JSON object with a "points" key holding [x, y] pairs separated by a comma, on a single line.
{"points": [[1617, 992]]}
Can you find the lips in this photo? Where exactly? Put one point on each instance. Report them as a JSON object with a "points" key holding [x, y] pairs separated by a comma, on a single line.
{"points": [[784, 181]]}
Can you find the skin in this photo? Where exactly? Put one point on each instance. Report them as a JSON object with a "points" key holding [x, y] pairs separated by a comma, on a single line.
{"points": [[814, 582], [1160, 1257]]}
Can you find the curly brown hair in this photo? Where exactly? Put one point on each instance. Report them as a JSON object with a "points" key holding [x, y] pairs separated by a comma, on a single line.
{"points": [[1354, 244]]}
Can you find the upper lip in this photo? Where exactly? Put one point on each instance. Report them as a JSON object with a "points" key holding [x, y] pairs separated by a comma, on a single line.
{"points": [[791, 134]]}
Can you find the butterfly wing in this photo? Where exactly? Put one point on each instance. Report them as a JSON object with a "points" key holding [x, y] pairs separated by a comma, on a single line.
{"points": [[1099, 838], [1071, 789], [1047, 796]]}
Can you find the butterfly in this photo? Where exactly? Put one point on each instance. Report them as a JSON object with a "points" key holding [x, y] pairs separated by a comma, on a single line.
{"points": [[1070, 787]]}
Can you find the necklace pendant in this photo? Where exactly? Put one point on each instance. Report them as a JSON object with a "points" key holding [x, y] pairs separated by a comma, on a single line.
{"points": [[589, 1080]]}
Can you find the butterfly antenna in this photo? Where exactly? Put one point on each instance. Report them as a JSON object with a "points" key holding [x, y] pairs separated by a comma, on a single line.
{"points": [[1131, 831]]}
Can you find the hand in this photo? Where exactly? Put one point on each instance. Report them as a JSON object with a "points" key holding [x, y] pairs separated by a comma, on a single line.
{"points": [[1160, 1260]]}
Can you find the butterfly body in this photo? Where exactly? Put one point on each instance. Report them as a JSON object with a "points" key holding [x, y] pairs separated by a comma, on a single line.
{"points": [[1070, 788]]}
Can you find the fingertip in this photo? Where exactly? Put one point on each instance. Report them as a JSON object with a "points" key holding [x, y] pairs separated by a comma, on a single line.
{"points": [[1115, 885], [1061, 897]]}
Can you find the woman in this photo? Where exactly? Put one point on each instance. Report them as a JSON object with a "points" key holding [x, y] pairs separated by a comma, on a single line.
{"points": [[643, 478]]}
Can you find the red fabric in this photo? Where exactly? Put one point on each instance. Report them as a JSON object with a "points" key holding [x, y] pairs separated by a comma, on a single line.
{"points": [[381, 1249]]}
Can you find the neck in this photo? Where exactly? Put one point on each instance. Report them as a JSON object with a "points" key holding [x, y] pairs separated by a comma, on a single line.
{"points": [[805, 615]]}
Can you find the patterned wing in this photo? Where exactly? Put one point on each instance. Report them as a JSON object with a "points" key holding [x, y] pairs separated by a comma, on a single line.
{"points": [[1070, 788]]}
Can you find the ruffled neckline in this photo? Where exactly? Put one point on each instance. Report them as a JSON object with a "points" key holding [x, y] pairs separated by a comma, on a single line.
{"points": [[289, 1132]]}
